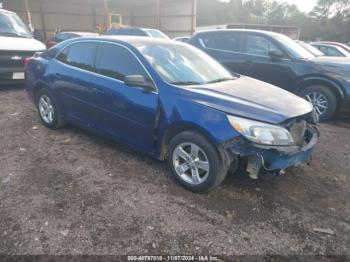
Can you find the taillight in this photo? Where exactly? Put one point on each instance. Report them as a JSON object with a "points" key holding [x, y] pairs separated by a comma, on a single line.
{"points": [[26, 61]]}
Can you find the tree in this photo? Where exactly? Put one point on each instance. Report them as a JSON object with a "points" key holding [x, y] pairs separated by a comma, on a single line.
{"points": [[330, 19]]}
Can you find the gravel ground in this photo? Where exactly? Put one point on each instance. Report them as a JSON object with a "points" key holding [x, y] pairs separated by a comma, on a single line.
{"points": [[71, 192]]}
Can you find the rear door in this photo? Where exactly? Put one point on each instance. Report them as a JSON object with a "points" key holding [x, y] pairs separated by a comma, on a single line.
{"points": [[226, 48], [280, 72], [71, 72], [124, 112]]}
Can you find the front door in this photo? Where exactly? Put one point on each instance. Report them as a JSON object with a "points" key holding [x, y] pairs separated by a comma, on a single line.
{"points": [[279, 72]]}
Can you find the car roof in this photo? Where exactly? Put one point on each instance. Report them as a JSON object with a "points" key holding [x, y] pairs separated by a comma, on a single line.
{"points": [[78, 33], [326, 44], [135, 41], [239, 30]]}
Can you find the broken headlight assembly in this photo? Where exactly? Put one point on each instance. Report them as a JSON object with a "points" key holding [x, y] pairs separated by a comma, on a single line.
{"points": [[261, 133]]}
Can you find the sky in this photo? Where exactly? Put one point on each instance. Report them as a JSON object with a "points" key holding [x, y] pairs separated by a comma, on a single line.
{"points": [[303, 5]]}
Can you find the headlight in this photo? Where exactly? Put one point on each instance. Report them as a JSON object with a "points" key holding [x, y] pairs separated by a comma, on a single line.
{"points": [[261, 133]]}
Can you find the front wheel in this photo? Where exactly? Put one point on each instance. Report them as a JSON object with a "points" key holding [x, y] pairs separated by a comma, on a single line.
{"points": [[323, 99], [195, 163]]}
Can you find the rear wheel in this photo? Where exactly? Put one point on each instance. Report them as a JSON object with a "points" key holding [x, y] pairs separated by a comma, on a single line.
{"points": [[195, 163], [49, 112], [323, 99]]}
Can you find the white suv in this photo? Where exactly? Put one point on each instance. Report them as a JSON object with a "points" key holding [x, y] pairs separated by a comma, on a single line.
{"points": [[16, 43]]}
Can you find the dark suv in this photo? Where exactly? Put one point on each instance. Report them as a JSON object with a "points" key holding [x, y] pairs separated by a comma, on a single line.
{"points": [[278, 60]]}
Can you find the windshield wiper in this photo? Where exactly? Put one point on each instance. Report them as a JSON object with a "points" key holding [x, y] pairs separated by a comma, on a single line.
{"points": [[220, 80], [185, 83]]}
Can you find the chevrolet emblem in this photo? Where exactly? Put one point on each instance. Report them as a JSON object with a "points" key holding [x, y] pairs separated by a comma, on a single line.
{"points": [[16, 58]]}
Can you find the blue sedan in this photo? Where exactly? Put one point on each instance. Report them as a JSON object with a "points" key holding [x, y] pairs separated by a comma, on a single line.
{"points": [[172, 102]]}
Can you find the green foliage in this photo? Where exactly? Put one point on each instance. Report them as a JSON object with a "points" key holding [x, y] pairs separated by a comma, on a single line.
{"points": [[330, 19]]}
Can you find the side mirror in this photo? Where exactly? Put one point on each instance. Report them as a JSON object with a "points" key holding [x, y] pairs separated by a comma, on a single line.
{"points": [[276, 54], [139, 81]]}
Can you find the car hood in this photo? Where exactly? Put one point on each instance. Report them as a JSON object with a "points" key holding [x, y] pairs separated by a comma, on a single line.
{"points": [[20, 44], [250, 98], [337, 65]]}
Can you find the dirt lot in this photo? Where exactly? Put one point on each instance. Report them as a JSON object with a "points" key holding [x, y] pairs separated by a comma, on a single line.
{"points": [[70, 192]]}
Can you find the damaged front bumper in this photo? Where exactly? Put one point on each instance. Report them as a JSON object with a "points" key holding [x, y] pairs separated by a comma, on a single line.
{"points": [[274, 158]]}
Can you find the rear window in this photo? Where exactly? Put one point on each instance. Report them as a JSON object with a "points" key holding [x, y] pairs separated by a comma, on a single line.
{"points": [[80, 55]]}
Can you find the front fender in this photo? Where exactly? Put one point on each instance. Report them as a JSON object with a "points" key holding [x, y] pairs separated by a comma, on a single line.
{"points": [[186, 114], [319, 79]]}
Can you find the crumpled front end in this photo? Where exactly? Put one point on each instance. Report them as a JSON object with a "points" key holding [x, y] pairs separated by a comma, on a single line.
{"points": [[274, 159]]}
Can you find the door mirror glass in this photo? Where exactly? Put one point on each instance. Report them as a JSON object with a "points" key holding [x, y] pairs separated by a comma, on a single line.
{"points": [[276, 54], [139, 81]]}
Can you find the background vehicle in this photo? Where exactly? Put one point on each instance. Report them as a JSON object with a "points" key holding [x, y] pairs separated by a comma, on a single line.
{"points": [[135, 31], [278, 60], [16, 44], [331, 50], [313, 50], [58, 38], [344, 46], [192, 112], [183, 39]]}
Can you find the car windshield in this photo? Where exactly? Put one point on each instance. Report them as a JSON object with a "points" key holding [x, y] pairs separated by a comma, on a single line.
{"points": [[181, 64], [294, 48], [156, 33], [12, 26]]}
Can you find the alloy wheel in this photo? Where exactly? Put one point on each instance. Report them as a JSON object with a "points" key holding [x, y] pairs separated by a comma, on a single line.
{"points": [[191, 163], [319, 101], [46, 109]]}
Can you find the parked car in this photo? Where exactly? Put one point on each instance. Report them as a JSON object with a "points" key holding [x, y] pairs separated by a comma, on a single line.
{"points": [[135, 31], [331, 50], [344, 46], [183, 39], [278, 60], [192, 112], [58, 38], [16, 43], [313, 50]]}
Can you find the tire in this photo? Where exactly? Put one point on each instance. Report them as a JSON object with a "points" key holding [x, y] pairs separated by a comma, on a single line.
{"points": [[207, 158], [328, 96], [57, 119]]}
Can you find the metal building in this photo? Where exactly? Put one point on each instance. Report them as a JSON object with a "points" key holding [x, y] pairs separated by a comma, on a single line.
{"points": [[173, 17]]}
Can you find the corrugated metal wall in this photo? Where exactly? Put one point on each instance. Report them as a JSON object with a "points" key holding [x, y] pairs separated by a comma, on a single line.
{"points": [[175, 18]]}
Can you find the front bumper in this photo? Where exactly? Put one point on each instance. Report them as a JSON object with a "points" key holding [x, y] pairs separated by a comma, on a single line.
{"points": [[274, 158]]}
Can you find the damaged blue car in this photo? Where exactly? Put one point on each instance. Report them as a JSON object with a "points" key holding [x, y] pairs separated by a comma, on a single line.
{"points": [[175, 103]]}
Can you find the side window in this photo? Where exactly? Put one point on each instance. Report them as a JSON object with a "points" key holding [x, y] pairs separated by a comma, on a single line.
{"points": [[323, 49], [81, 55], [226, 42], [334, 52], [259, 45], [118, 62]]}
